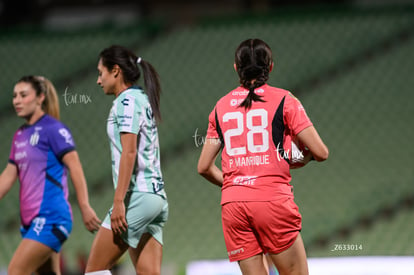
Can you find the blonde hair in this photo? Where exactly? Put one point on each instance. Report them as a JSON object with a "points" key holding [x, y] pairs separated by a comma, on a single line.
{"points": [[43, 85]]}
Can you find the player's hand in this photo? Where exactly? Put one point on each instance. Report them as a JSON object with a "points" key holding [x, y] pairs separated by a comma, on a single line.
{"points": [[90, 219], [118, 220]]}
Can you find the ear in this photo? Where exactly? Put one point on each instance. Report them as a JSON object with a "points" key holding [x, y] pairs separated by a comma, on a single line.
{"points": [[235, 67], [41, 99], [116, 70], [271, 66]]}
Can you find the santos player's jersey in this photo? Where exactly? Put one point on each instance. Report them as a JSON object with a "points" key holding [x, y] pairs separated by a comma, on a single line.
{"points": [[131, 113], [256, 142], [37, 151]]}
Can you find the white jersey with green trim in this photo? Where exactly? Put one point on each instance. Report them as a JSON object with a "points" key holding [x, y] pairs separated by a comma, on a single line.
{"points": [[131, 113]]}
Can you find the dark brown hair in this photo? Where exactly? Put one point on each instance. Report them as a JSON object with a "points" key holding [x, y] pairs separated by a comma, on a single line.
{"points": [[129, 64], [253, 60]]}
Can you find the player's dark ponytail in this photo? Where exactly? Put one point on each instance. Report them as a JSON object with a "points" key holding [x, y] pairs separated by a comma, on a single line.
{"points": [[153, 87], [253, 60], [129, 64]]}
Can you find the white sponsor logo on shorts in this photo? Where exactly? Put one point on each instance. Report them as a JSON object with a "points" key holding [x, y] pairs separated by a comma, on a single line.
{"points": [[237, 251], [39, 223], [64, 230]]}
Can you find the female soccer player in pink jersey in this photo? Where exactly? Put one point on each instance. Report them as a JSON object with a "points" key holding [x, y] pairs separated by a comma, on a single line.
{"points": [[42, 152], [254, 126]]}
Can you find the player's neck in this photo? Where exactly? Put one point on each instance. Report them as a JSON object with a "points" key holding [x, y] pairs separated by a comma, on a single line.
{"points": [[34, 117], [121, 88]]}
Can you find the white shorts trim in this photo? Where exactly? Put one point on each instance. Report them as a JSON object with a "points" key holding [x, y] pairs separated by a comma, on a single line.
{"points": [[106, 225]]}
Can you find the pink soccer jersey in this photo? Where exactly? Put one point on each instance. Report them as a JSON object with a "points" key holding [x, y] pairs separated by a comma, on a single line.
{"points": [[256, 142], [37, 151]]}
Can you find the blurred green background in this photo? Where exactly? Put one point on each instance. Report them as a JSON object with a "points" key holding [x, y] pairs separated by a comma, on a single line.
{"points": [[351, 67]]}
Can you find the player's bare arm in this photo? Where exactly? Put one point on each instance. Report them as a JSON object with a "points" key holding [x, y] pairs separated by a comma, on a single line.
{"points": [[7, 179], [310, 137], [206, 163], [126, 166], [72, 162]]}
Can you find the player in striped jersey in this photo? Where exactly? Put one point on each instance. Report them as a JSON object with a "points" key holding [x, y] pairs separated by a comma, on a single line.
{"points": [[42, 153], [254, 126], [135, 221]]}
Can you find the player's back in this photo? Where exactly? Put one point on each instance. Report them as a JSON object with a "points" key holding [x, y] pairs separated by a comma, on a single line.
{"points": [[256, 142]]}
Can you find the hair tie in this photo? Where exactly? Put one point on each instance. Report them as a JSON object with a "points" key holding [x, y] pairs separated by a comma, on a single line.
{"points": [[139, 60]]}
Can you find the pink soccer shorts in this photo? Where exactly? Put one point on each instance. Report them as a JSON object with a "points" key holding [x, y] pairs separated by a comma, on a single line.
{"points": [[251, 228]]}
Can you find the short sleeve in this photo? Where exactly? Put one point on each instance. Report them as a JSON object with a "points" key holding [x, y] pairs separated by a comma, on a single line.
{"points": [[128, 113], [295, 114], [60, 140], [212, 128]]}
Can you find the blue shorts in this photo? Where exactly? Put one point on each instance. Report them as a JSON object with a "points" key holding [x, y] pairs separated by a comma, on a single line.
{"points": [[52, 234]]}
